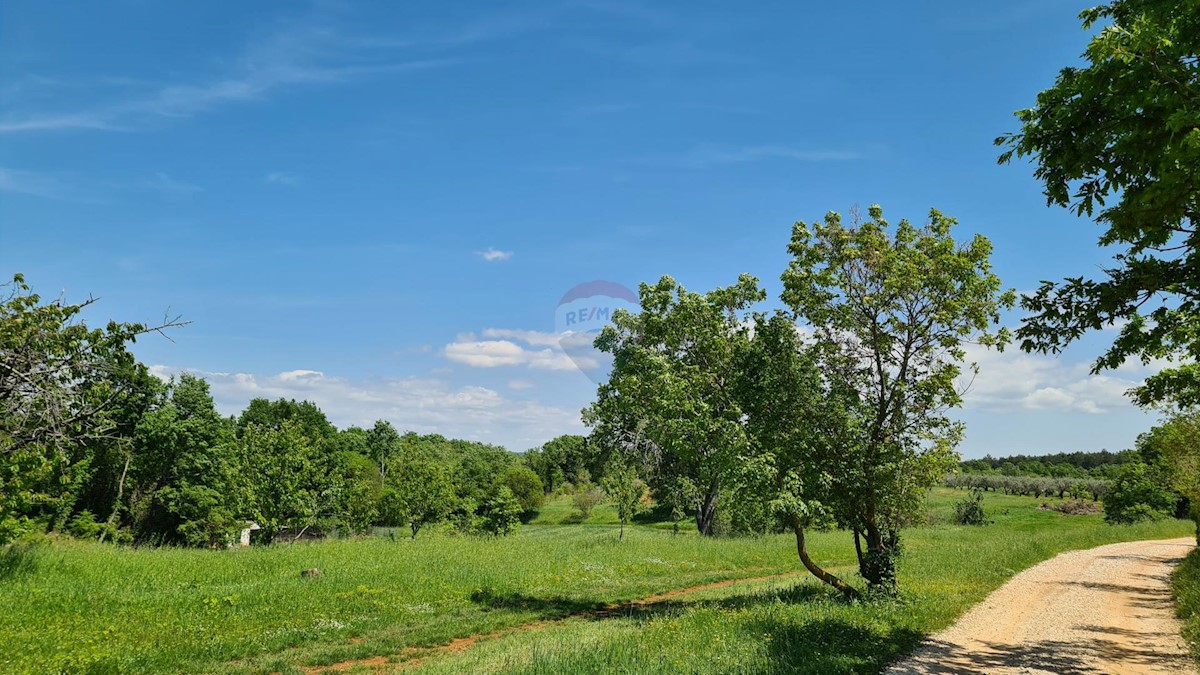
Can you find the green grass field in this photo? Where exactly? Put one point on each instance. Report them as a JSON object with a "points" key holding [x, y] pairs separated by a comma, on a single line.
{"points": [[79, 607]]}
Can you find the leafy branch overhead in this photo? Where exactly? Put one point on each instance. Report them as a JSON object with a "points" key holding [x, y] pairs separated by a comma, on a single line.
{"points": [[1119, 139]]}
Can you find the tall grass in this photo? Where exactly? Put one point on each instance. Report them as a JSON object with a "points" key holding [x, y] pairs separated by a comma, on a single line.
{"points": [[82, 607], [89, 606], [1185, 586], [779, 627]]}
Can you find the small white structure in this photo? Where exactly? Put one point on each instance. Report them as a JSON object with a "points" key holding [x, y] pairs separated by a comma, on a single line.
{"points": [[245, 538]]}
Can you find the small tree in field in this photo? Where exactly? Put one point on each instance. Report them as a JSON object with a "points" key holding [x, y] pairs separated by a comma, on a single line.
{"points": [[527, 487], [423, 494], [800, 427], [890, 312], [501, 513], [586, 499], [627, 492]]}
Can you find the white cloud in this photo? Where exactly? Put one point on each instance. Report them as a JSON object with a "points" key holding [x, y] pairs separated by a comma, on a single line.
{"points": [[520, 385], [282, 178], [1015, 381], [532, 337], [302, 376], [493, 254], [496, 353], [418, 404]]}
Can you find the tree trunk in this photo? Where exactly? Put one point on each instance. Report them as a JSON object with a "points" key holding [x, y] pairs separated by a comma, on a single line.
{"points": [[415, 526], [858, 547], [706, 511], [621, 536], [878, 565], [117, 504], [812, 567]]}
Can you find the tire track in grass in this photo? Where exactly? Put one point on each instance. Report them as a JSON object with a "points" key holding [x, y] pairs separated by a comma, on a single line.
{"points": [[412, 657]]}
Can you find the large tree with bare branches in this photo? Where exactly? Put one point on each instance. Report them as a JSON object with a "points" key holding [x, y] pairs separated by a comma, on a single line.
{"points": [[60, 383]]}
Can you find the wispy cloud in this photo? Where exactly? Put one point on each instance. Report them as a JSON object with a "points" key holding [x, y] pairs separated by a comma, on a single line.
{"points": [[710, 156], [302, 53], [171, 187], [493, 254], [282, 178], [31, 183]]}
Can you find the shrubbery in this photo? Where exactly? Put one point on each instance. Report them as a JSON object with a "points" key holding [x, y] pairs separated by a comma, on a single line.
{"points": [[1138, 493], [969, 510]]}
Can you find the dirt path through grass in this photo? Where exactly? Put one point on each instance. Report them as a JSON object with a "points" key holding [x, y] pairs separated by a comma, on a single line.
{"points": [[1103, 610], [412, 657]]}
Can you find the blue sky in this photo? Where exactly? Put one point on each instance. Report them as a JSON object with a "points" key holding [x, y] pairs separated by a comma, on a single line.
{"points": [[379, 206]]}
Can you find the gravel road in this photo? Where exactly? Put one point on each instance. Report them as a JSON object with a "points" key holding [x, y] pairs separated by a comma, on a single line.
{"points": [[1104, 610]]}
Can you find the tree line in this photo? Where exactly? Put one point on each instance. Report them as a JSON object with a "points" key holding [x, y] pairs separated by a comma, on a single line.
{"points": [[95, 445], [1100, 465]]}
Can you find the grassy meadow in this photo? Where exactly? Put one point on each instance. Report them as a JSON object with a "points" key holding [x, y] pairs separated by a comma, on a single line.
{"points": [[82, 607]]}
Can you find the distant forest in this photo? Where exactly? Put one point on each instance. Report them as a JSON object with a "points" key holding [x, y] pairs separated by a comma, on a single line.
{"points": [[1103, 464]]}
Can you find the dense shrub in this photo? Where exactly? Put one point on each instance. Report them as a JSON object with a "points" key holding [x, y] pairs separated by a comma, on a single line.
{"points": [[501, 513], [1185, 586], [526, 487], [1138, 494], [969, 510]]}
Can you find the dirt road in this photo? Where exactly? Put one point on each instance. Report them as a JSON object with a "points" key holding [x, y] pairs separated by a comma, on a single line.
{"points": [[1105, 610]]}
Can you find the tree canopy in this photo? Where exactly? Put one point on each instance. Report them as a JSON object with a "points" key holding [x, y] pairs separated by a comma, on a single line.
{"points": [[890, 310], [673, 390], [1119, 139]]}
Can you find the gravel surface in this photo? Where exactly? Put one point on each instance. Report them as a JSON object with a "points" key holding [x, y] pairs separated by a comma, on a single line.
{"points": [[1104, 610]]}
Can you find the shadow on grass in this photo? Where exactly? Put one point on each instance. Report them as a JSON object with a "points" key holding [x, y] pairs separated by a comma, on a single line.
{"points": [[19, 559], [825, 644], [831, 645], [552, 607]]}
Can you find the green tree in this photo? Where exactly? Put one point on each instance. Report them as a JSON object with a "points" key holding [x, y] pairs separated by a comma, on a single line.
{"points": [[1174, 446], [361, 493], [187, 480], [293, 484], [565, 459], [305, 415], [627, 492], [671, 388], [383, 444], [1138, 492], [526, 487], [890, 312], [501, 513], [1120, 138], [421, 494], [801, 426], [58, 395]]}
